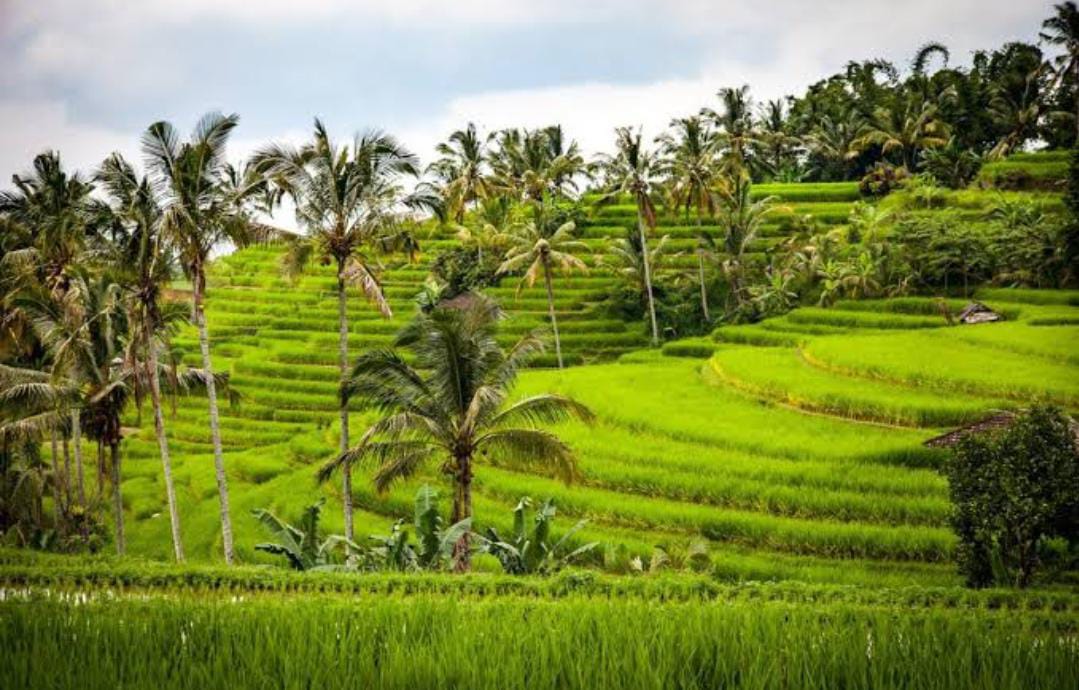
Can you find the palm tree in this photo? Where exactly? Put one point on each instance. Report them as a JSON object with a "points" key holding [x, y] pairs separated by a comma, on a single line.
{"points": [[144, 265], [532, 165], [345, 199], [741, 219], [82, 333], [532, 244], [461, 171], [626, 257], [450, 406], [56, 210], [737, 134], [632, 171], [906, 130], [54, 207], [834, 139], [201, 210], [690, 169], [1062, 30]]}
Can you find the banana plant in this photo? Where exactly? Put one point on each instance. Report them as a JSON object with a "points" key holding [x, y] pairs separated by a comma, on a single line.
{"points": [[531, 551], [434, 543], [303, 545]]}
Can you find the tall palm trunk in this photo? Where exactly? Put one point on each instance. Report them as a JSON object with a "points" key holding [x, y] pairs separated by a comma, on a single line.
{"points": [[117, 497], [647, 277], [342, 363], [67, 470], [700, 273], [54, 454], [550, 310], [215, 421], [462, 508], [100, 492], [76, 433], [163, 447]]}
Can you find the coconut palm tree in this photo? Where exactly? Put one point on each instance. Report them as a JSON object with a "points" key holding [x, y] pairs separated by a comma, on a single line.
{"points": [[1062, 30], [633, 171], [346, 198], [201, 210], [450, 406], [691, 172], [906, 130], [54, 208], [82, 334], [736, 133], [741, 219], [144, 265], [535, 245], [626, 257], [461, 171], [533, 165]]}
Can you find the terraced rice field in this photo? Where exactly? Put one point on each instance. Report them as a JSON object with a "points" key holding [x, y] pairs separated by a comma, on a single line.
{"points": [[791, 448]]}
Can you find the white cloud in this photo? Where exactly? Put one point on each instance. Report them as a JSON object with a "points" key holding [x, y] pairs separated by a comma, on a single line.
{"points": [[29, 127]]}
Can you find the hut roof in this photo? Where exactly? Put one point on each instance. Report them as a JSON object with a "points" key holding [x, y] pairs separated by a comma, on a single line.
{"points": [[990, 424], [976, 312]]}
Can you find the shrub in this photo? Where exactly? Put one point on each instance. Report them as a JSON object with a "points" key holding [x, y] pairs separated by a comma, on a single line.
{"points": [[882, 180], [1015, 492]]}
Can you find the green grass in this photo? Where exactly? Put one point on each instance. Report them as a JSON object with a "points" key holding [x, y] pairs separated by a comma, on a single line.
{"points": [[785, 376], [416, 641]]}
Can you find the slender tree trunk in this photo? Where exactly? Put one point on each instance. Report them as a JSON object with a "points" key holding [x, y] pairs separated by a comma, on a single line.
{"points": [[117, 498], [700, 270], [647, 278], [342, 363], [67, 471], [100, 495], [550, 310], [58, 503], [462, 509], [76, 432], [215, 421], [704, 289], [163, 447]]}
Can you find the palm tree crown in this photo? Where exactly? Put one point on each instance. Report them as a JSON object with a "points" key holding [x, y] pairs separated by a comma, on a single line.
{"points": [[450, 405]]}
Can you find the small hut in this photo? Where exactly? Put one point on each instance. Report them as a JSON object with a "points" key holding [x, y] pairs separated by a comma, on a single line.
{"points": [[976, 312], [992, 423]]}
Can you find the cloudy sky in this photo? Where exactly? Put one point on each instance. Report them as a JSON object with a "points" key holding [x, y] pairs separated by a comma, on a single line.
{"points": [[87, 76]]}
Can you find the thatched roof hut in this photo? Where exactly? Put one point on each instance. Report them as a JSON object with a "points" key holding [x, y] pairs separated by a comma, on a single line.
{"points": [[976, 312], [988, 425]]}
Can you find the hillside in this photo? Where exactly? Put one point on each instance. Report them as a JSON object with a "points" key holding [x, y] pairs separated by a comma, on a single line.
{"points": [[839, 488]]}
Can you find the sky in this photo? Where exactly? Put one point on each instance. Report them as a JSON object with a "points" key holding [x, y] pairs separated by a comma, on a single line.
{"points": [[86, 77]]}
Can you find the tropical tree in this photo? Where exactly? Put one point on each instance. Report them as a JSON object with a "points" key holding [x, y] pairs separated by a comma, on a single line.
{"points": [[461, 171], [450, 405], [144, 266], [534, 245], [533, 165], [633, 171], [1062, 30], [736, 132], [741, 219], [201, 210], [346, 198], [906, 130], [53, 208]]}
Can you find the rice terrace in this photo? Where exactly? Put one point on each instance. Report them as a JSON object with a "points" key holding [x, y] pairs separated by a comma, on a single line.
{"points": [[767, 391]]}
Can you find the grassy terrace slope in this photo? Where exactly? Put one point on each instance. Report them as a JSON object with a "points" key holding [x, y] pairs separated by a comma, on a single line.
{"points": [[793, 449]]}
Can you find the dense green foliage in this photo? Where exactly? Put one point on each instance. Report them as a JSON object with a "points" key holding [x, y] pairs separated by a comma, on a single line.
{"points": [[1016, 497]]}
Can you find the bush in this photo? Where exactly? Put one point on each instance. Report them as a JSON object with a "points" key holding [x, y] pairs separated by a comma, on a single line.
{"points": [[1016, 496], [882, 180], [461, 269]]}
